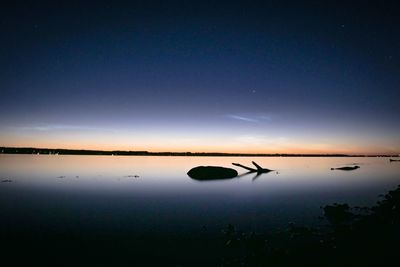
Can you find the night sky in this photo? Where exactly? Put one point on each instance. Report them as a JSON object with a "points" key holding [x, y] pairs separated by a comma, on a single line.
{"points": [[273, 76]]}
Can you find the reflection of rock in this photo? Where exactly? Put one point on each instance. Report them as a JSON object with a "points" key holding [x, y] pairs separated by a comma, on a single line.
{"points": [[346, 168], [204, 173]]}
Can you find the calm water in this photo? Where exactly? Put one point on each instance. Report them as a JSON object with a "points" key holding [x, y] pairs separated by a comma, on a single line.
{"points": [[101, 192]]}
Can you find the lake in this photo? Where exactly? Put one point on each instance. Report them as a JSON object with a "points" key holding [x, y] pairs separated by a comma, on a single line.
{"points": [[153, 197]]}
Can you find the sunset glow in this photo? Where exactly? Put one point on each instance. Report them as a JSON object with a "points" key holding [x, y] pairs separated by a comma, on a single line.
{"points": [[243, 83]]}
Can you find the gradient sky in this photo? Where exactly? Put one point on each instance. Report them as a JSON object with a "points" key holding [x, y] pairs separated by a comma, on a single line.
{"points": [[272, 76]]}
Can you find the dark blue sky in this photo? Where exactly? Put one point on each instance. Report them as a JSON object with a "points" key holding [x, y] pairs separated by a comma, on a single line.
{"points": [[270, 76]]}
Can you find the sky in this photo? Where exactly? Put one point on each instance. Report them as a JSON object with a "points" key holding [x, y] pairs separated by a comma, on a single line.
{"points": [[212, 76]]}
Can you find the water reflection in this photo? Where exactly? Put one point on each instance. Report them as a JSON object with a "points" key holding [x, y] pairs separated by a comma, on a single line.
{"points": [[155, 193]]}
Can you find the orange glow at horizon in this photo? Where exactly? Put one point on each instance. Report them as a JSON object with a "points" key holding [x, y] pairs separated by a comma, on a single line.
{"points": [[154, 147], [196, 142]]}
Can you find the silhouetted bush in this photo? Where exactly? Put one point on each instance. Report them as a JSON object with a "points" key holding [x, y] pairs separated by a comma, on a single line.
{"points": [[353, 237]]}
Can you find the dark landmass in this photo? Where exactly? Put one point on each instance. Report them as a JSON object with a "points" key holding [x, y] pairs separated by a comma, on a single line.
{"points": [[32, 150]]}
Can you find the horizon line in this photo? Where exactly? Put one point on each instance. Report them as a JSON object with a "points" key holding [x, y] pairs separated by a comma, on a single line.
{"points": [[66, 151]]}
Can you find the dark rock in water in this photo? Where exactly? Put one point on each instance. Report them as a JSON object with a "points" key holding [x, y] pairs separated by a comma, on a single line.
{"points": [[6, 181], [393, 160], [346, 168], [204, 173]]}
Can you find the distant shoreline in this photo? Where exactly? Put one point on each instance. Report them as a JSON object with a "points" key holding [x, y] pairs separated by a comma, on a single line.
{"points": [[50, 151]]}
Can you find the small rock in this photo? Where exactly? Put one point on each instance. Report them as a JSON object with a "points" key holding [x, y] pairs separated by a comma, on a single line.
{"points": [[134, 176]]}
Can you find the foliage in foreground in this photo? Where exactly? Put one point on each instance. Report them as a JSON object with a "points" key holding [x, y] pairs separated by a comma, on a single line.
{"points": [[353, 237]]}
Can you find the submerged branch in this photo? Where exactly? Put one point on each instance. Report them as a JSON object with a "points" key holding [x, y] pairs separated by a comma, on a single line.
{"points": [[258, 170]]}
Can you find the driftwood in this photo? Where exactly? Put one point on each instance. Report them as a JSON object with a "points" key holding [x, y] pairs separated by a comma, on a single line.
{"points": [[208, 173], [259, 169], [346, 168]]}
